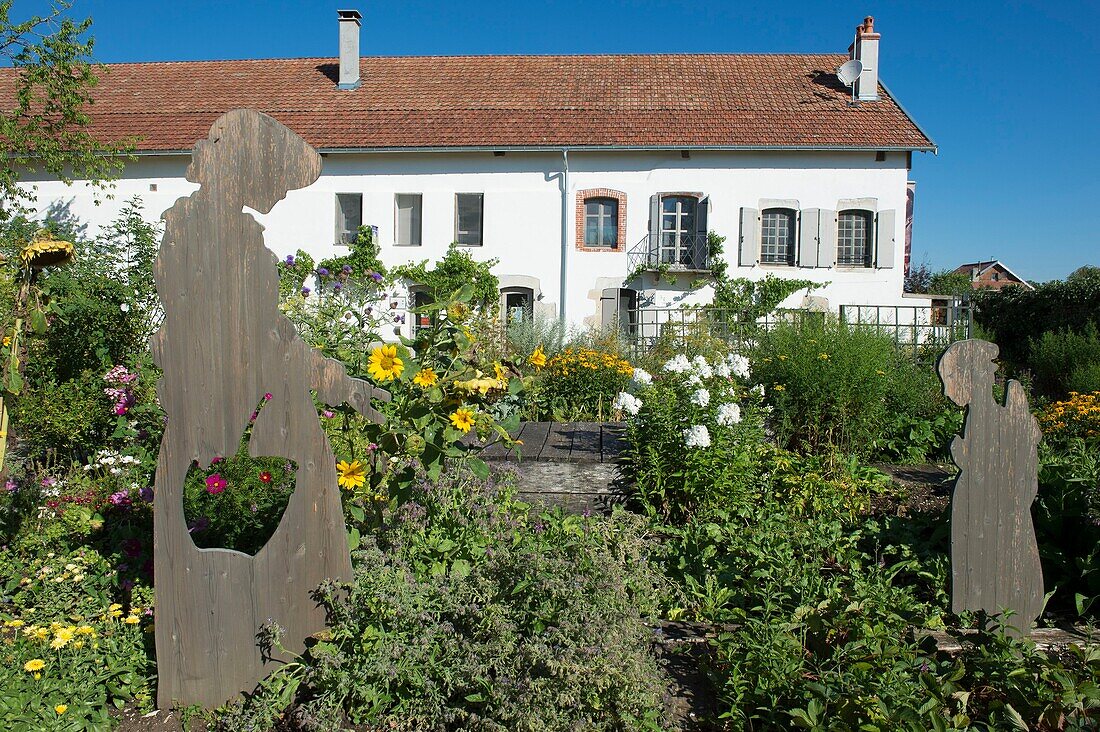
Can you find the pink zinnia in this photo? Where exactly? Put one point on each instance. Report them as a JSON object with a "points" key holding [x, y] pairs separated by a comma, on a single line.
{"points": [[267, 397], [215, 484]]}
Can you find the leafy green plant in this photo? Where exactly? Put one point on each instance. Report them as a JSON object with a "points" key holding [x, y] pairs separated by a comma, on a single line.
{"points": [[473, 611], [1066, 360], [457, 269], [580, 384], [833, 385]]}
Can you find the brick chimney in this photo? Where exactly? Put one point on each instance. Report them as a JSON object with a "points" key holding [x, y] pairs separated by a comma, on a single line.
{"points": [[349, 48], [865, 49]]}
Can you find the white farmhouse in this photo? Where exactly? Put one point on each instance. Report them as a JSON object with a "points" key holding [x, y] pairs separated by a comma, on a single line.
{"points": [[593, 179]]}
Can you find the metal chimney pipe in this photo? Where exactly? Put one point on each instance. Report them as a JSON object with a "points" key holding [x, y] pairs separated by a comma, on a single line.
{"points": [[349, 48]]}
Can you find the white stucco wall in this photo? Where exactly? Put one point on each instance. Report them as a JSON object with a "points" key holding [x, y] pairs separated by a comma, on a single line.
{"points": [[522, 210]]}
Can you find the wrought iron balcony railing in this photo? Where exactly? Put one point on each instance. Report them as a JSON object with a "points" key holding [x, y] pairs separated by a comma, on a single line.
{"points": [[670, 252]]}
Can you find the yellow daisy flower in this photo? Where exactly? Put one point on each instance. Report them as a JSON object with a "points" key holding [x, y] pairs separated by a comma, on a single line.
{"points": [[384, 363], [538, 358], [35, 664], [350, 475], [61, 708], [62, 637], [425, 377], [462, 419]]}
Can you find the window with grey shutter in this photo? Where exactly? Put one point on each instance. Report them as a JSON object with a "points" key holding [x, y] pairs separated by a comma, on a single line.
{"points": [[601, 222], [750, 237], [469, 217], [853, 238], [777, 236], [409, 207], [349, 217], [885, 243]]}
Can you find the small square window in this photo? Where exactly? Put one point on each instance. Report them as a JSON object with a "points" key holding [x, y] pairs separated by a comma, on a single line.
{"points": [[469, 218]]}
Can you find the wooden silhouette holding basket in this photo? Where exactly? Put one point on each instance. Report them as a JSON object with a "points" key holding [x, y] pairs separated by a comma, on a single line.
{"points": [[222, 346], [994, 556]]}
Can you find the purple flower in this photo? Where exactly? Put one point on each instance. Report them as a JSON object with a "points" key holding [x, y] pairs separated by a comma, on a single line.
{"points": [[48, 482], [376, 276], [290, 260], [337, 287], [346, 269], [305, 292], [202, 524], [11, 486], [120, 498], [328, 414], [147, 495], [322, 272]]}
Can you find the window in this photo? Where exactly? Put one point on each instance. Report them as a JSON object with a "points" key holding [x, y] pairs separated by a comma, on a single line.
{"points": [[407, 227], [601, 222], [349, 217], [677, 232], [777, 236], [469, 216], [853, 239], [421, 321], [518, 305]]}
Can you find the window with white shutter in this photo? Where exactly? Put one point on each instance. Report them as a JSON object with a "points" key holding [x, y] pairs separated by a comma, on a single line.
{"points": [[777, 236], [854, 238]]}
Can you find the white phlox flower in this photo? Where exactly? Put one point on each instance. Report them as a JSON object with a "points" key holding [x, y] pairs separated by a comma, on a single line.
{"points": [[700, 398], [697, 436], [739, 365], [729, 414], [627, 403], [642, 378], [702, 368], [678, 364]]}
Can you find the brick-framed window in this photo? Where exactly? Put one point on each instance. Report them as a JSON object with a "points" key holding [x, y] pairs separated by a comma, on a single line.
{"points": [[598, 209]]}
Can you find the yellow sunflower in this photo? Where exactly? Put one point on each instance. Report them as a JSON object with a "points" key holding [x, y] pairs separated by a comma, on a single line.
{"points": [[538, 358], [425, 377], [384, 363], [462, 419], [45, 251], [350, 475]]}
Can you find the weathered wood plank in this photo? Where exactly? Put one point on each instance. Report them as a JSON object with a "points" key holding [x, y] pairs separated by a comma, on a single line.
{"points": [[586, 446], [534, 436], [223, 345], [558, 443], [994, 554], [613, 441]]}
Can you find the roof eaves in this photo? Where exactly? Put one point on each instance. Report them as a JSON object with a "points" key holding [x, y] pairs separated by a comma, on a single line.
{"points": [[588, 148], [934, 149]]}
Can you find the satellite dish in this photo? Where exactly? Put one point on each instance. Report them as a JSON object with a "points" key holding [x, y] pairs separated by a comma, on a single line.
{"points": [[849, 71]]}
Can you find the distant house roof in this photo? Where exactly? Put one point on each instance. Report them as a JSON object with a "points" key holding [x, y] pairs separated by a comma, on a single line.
{"points": [[975, 270], [787, 101]]}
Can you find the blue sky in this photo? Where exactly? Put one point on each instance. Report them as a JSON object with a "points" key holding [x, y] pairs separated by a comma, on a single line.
{"points": [[1009, 91]]}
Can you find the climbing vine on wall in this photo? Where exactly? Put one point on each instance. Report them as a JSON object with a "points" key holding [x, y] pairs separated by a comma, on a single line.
{"points": [[455, 270]]}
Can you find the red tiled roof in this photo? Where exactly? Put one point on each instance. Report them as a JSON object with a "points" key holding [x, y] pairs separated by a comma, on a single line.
{"points": [[677, 101]]}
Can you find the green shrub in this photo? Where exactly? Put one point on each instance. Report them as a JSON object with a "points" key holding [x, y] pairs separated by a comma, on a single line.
{"points": [[1015, 316], [1066, 360], [836, 386], [470, 611]]}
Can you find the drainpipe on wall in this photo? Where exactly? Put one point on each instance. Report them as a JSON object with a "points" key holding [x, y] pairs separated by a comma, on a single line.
{"points": [[564, 232]]}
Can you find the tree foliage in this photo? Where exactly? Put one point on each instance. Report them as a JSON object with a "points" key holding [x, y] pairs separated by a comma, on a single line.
{"points": [[451, 273], [44, 121]]}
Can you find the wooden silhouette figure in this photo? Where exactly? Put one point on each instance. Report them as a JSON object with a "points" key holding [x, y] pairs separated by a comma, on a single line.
{"points": [[994, 556], [222, 346]]}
